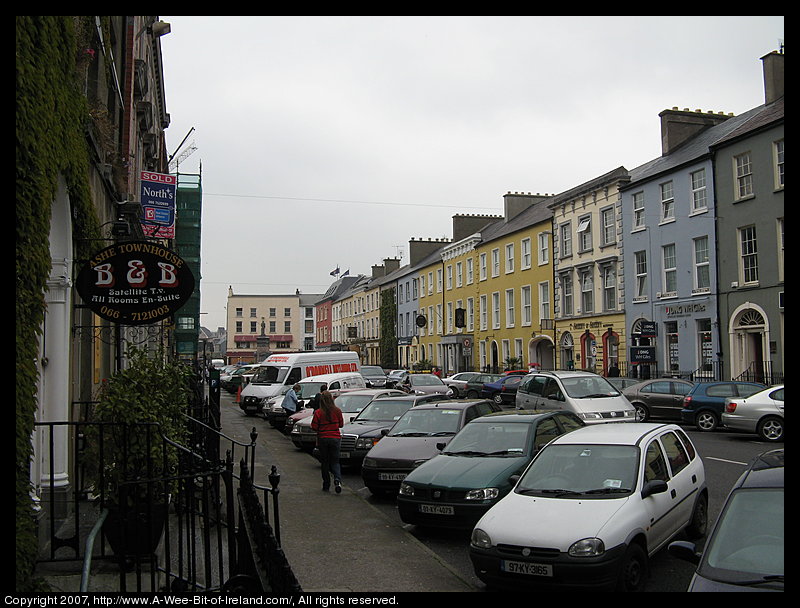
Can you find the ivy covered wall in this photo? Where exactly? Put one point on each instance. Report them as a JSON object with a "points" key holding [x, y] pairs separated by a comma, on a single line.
{"points": [[51, 122]]}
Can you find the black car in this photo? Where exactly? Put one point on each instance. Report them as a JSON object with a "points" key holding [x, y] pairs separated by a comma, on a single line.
{"points": [[365, 430], [745, 551], [420, 434], [374, 376]]}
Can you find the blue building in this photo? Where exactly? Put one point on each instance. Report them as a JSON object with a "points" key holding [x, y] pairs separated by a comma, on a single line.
{"points": [[669, 249]]}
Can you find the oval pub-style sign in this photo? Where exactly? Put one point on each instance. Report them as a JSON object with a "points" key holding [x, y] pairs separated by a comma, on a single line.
{"points": [[135, 283]]}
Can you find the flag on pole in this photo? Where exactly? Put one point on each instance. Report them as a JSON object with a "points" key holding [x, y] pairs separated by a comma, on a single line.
{"points": [[346, 272], [335, 272]]}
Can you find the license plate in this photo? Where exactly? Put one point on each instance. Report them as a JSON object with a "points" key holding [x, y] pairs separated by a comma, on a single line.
{"points": [[527, 568], [344, 455], [391, 476], [436, 509]]}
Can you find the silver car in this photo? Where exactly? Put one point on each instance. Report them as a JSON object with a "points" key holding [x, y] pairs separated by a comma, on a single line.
{"points": [[424, 384], [760, 413]]}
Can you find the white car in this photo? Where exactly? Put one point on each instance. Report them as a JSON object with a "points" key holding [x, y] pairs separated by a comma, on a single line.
{"points": [[592, 507], [760, 413]]}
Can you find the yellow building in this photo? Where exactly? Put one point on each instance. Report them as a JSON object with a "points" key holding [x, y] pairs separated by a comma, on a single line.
{"points": [[485, 296], [588, 302]]}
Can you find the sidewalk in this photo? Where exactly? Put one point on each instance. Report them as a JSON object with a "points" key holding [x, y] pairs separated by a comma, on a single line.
{"points": [[336, 542]]}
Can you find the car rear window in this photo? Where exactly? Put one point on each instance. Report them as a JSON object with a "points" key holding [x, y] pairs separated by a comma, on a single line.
{"points": [[721, 390]]}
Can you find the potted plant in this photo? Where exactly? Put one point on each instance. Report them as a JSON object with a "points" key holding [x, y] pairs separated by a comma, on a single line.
{"points": [[129, 460]]}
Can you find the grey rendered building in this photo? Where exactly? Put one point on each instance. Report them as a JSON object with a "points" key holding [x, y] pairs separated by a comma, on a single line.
{"points": [[749, 176]]}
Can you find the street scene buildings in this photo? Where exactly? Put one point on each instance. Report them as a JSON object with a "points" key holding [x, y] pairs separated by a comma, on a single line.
{"points": [[673, 267]]}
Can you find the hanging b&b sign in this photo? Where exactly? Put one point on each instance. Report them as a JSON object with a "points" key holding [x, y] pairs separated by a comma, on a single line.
{"points": [[135, 283]]}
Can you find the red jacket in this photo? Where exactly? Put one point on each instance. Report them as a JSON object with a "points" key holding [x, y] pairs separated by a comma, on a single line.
{"points": [[327, 427]]}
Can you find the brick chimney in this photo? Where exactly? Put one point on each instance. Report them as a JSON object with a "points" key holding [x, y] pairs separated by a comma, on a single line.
{"points": [[465, 224], [773, 75], [419, 249], [391, 264], [679, 126]]}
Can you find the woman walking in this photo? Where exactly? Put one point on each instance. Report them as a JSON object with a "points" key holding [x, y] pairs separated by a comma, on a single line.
{"points": [[326, 422]]}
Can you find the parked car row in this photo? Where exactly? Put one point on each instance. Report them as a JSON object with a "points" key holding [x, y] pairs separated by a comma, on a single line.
{"points": [[556, 499]]}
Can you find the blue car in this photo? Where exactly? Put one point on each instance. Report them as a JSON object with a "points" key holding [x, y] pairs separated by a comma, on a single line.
{"points": [[502, 391], [704, 404]]}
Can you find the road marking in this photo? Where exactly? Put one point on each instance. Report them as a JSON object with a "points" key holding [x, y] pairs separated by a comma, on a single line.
{"points": [[723, 460]]}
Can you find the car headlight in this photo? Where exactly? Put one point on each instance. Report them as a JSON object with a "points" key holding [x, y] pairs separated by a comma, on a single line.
{"points": [[483, 494], [406, 489], [590, 416], [365, 443], [587, 547], [370, 462], [480, 539], [416, 463]]}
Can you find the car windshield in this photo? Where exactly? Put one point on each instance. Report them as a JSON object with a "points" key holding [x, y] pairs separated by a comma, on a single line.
{"points": [[270, 374], [309, 389], [747, 545], [371, 371], [424, 380], [351, 404], [491, 439], [383, 410], [427, 423], [581, 470], [589, 387]]}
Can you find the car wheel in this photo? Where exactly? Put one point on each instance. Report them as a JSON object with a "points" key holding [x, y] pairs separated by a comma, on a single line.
{"points": [[642, 413], [706, 421], [698, 525], [472, 394], [497, 398], [770, 429], [633, 573]]}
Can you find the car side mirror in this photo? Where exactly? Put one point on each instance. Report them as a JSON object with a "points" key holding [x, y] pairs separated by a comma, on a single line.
{"points": [[441, 445], [684, 550], [657, 486], [514, 479], [384, 432]]}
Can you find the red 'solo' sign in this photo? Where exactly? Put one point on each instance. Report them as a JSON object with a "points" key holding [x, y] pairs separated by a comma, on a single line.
{"points": [[135, 283]]}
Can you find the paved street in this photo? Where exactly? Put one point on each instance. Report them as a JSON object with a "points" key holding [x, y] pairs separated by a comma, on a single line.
{"points": [[364, 536]]}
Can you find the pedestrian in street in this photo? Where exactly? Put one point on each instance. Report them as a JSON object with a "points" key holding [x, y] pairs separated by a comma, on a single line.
{"points": [[327, 421], [291, 399], [314, 401]]}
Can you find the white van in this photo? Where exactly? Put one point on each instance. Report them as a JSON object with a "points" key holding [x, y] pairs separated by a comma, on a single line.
{"points": [[589, 396], [273, 406], [277, 373]]}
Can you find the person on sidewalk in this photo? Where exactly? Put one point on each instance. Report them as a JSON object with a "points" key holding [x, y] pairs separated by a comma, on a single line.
{"points": [[290, 400], [327, 421]]}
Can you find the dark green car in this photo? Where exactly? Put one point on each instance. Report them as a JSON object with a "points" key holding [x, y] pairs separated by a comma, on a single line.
{"points": [[477, 468], [475, 385]]}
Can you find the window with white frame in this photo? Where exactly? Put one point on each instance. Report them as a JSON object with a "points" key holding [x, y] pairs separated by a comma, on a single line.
{"points": [[496, 310], [587, 290], [670, 270], [608, 226], [470, 271], [449, 317], [543, 240], [702, 272], [495, 262], [777, 151], [544, 300], [440, 320], [566, 294], [449, 276], [585, 233], [518, 350], [699, 194], [509, 258], [482, 264], [565, 239], [779, 228], [484, 313], [459, 274], [470, 314], [744, 175], [609, 273], [638, 211], [438, 280], [510, 313], [748, 254], [667, 202], [525, 302], [640, 268], [525, 253]]}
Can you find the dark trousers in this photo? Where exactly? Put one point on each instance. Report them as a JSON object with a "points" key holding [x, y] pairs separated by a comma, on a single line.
{"points": [[329, 456]]}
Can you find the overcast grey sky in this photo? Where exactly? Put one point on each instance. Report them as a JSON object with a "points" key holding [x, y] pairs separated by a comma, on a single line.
{"points": [[332, 141]]}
